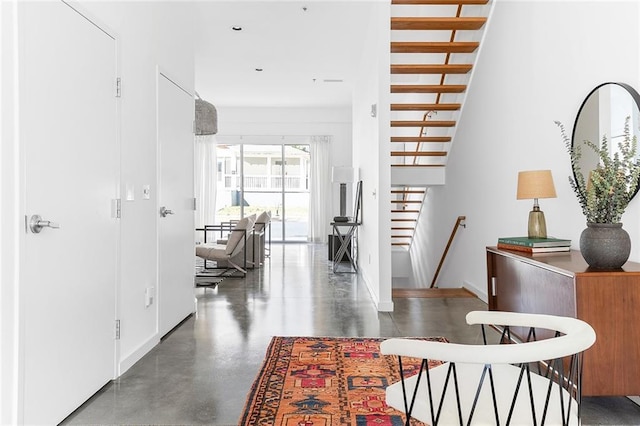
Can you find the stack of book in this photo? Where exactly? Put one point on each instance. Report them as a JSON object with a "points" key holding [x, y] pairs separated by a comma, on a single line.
{"points": [[534, 245]]}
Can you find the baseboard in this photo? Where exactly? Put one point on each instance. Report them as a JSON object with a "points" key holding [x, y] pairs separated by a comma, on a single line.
{"points": [[479, 293], [135, 356], [385, 306], [380, 306], [435, 293]]}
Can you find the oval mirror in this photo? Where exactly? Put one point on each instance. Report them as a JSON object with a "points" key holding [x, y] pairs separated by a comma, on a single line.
{"points": [[603, 113]]}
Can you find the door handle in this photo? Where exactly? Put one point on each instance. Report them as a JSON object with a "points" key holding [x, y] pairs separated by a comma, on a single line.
{"points": [[165, 211], [36, 224]]}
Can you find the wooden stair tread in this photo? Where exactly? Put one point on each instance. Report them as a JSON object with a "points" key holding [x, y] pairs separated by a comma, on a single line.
{"points": [[421, 139], [434, 46], [418, 153], [437, 23], [425, 123], [425, 107], [428, 88], [430, 68], [431, 292], [403, 235]]}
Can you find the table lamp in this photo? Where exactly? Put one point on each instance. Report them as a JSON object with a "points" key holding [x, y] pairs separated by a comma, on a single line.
{"points": [[342, 175], [536, 184]]}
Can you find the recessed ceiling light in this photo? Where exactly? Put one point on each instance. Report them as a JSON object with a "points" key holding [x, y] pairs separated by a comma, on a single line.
{"points": [[236, 28]]}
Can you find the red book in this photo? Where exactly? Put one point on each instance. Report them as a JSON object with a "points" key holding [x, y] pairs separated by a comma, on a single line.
{"points": [[533, 249]]}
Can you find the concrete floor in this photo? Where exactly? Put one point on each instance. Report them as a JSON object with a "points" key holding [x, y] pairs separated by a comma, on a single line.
{"points": [[202, 371]]}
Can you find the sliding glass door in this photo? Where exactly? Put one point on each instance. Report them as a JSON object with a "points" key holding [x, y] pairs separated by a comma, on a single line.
{"points": [[253, 178], [295, 178]]}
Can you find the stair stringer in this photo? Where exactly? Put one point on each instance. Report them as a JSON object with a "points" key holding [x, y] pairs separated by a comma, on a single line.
{"points": [[462, 97], [413, 172]]}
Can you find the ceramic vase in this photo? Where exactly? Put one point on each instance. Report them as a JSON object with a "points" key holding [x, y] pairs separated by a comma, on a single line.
{"points": [[605, 245]]}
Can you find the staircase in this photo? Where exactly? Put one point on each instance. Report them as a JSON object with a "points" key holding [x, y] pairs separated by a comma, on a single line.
{"points": [[434, 45]]}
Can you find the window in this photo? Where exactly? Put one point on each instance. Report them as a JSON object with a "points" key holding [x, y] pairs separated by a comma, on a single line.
{"points": [[257, 177]]}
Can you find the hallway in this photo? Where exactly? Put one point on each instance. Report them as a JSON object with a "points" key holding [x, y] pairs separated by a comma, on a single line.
{"points": [[201, 372]]}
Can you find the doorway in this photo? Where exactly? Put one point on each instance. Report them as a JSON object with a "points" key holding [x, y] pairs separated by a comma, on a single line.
{"points": [[68, 127], [175, 205], [252, 178]]}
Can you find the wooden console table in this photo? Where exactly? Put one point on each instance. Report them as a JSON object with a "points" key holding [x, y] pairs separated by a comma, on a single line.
{"points": [[563, 284]]}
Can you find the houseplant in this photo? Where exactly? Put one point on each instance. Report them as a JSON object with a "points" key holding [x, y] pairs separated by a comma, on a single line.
{"points": [[603, 196]]}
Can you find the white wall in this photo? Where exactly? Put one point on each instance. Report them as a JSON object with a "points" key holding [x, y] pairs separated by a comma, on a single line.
{"points": [[234, 122], [538, 62], [151, 35], [10, 220], [371, 156]]}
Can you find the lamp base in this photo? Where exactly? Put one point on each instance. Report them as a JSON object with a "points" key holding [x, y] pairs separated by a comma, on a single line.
{"points": [[537, 224]]}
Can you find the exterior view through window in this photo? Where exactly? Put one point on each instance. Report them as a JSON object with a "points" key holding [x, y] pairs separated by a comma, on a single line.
{"points": [[255, 178]]}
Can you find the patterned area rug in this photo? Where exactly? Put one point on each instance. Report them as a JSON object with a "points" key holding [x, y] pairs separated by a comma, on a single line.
{"points": [[321, 381]]}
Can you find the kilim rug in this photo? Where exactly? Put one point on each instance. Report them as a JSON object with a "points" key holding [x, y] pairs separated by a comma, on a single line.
{"points": [[322, 381]]}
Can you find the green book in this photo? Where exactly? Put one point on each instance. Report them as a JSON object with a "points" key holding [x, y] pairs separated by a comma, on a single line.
{"points": [[535, 242]]}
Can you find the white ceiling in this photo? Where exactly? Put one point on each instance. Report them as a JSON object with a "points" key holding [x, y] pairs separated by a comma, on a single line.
{"points": [[297, 49]]}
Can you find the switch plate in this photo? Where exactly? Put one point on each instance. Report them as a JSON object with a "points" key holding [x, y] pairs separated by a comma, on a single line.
{"points": [[146, 192], [130, 192], [149, 294]]}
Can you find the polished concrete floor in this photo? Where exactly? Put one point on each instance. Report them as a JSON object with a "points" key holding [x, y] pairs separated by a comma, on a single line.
{"points": [[202, 371]]}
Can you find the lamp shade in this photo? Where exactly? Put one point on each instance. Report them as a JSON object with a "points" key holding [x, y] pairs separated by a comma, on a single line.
{"points": [[206, 118], [342, 174], [535, 184]]}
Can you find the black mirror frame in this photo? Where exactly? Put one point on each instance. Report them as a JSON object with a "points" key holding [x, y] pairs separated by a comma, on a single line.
{"points": [[634, 94]]}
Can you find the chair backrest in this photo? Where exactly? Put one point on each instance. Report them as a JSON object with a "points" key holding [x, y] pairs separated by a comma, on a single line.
{"points": [[238, 236], [496, 383], [262, 221]]}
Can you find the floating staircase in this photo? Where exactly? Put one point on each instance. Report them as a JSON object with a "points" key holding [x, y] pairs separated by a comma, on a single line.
{"points": [[434, 44]]}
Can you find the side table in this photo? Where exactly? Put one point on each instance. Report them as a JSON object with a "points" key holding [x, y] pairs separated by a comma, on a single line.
{"points": [[347, 232], [563, 284]]}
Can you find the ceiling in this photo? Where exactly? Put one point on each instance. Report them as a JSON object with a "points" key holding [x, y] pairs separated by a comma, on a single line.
{"points": [[308, 51]]}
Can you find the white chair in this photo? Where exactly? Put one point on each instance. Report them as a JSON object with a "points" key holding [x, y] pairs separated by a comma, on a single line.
{"points": [[530, 383], [254, 248], [256, 240], [262, 233], [233, 252]]}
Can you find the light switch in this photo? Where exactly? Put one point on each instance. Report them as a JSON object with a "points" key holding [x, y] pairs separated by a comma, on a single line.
{"points": [[149, 294], [130, 196], [146, 192]]}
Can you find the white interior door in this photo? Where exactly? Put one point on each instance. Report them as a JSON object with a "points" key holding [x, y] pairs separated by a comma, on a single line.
{"points": [[176, 245], [68, 133]]}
